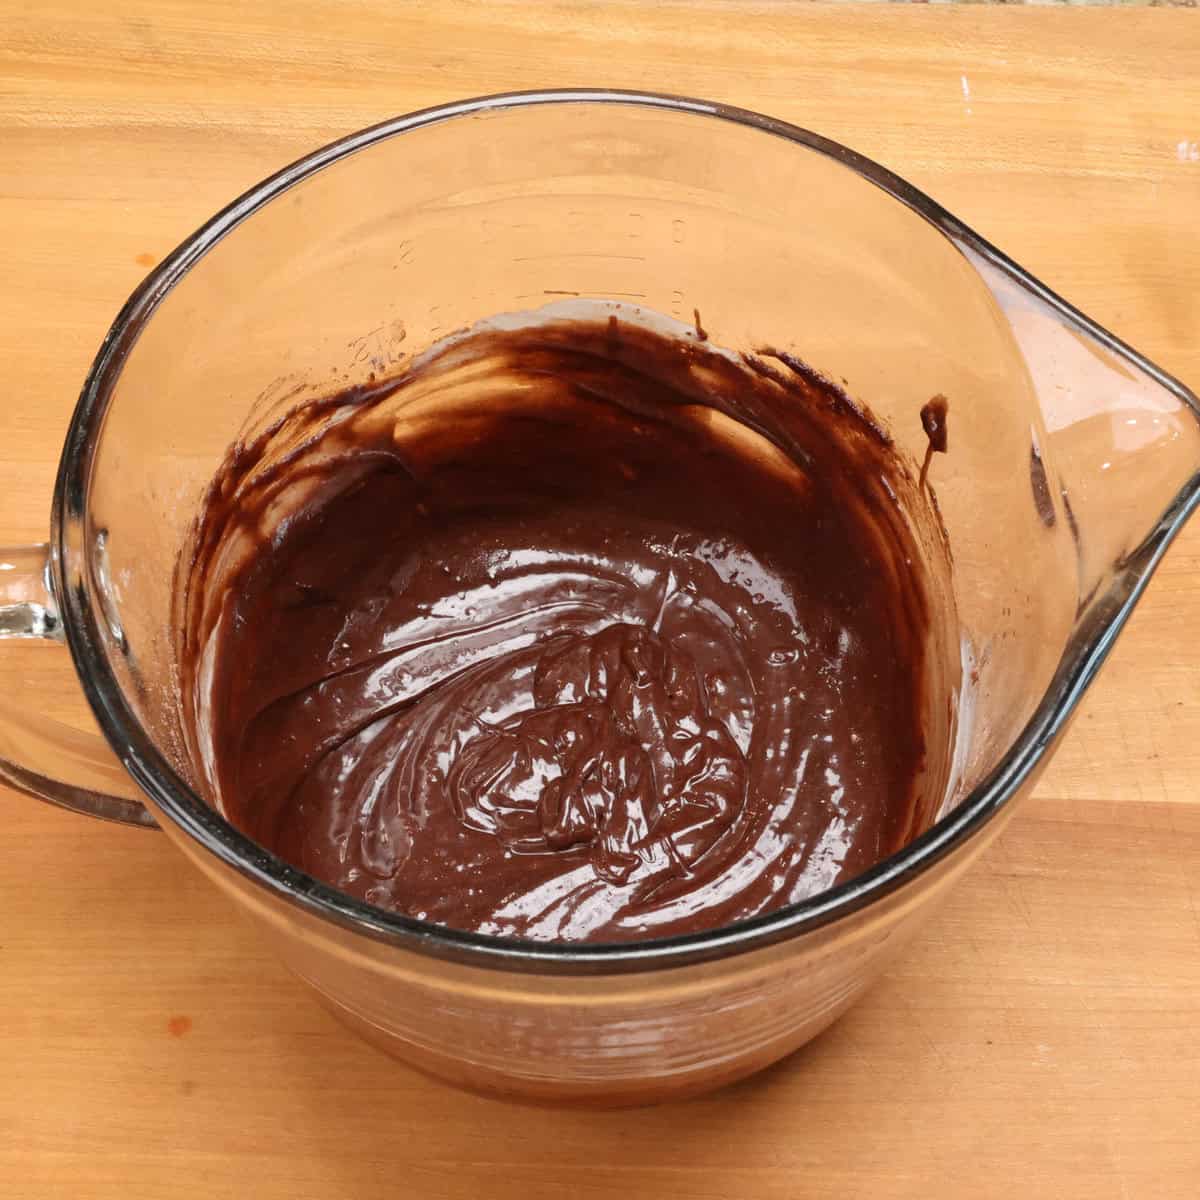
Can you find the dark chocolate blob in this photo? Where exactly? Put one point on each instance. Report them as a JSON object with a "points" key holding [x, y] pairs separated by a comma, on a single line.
{"points": [[934, 413], [933, 420], [574, 631]]}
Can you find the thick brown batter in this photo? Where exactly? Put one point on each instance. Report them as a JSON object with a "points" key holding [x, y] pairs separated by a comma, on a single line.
{"points": [[573, 631]]}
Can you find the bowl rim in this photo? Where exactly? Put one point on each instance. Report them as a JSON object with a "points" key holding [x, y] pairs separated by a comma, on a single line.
{"points": [[173, 797]]}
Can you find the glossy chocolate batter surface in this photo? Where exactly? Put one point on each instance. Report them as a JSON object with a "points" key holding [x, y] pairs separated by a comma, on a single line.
{"points": [[575, 631]]}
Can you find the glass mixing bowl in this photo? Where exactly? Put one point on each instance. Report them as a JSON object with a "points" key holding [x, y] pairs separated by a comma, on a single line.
{"points": [[1072, 463]]}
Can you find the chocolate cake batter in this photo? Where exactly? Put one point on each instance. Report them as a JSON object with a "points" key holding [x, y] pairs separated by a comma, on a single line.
{"points": [[572, 631]]}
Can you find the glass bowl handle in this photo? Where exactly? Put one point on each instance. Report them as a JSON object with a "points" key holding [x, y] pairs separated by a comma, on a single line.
{"points": [[38, 755]]}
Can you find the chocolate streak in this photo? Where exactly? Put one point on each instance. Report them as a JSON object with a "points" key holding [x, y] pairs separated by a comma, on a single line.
{"points": [[572, 631], [933, 420]]}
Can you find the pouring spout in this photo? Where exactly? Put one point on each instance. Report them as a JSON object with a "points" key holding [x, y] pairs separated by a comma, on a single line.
{"points": [[1119, 438]]}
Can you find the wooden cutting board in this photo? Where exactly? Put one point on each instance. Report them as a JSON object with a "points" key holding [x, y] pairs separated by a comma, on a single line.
{"points": [[1041, 1037]]}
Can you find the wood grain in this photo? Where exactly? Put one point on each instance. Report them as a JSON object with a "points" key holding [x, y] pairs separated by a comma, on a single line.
{"points": [[1040, 1038]]}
